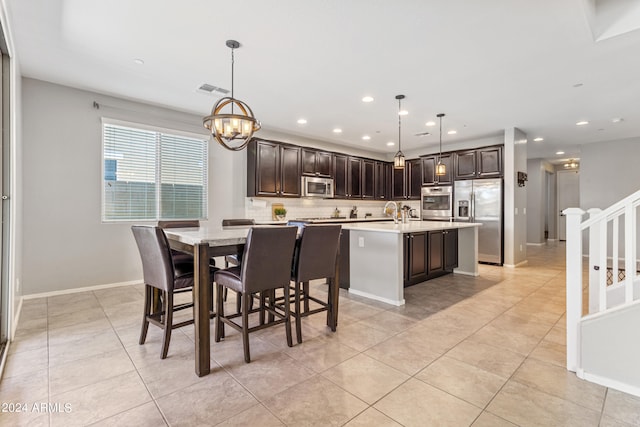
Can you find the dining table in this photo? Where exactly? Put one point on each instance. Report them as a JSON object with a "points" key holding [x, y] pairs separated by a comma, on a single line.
{"points": [[203, 243]]}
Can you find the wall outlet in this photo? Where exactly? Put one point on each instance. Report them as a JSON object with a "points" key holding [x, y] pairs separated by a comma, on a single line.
{"points": [[524, 211], [520, 248], [516, 211], [361, 242]]}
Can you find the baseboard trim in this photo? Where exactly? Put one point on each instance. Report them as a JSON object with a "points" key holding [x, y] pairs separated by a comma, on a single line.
{"points": [[466, 273], [16, 318], [607, 382], [536, 244], [83, 289], [376, 297], [520, 264]]}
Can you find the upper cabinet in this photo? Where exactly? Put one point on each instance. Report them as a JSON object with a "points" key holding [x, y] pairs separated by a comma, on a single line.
{"points": [[340, 180], [480, 163], [406, 183], [317, 163], [354, 173], [382, 180], [368, 179], [273, 169], [429, 176]]}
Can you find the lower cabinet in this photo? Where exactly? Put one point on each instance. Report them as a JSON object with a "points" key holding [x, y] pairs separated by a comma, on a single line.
{"points": [[429, 254]]}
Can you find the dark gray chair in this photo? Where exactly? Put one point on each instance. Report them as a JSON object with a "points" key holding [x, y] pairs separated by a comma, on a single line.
{"points": [[266, 266], [315, 257], [181, 257], [235, 259], [161, 273]]}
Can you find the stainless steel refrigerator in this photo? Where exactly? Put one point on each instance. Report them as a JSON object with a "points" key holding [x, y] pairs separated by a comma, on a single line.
{"points": [[480, 200]]}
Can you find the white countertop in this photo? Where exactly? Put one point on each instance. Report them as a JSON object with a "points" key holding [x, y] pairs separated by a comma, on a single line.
{"points": [[410, 227]]}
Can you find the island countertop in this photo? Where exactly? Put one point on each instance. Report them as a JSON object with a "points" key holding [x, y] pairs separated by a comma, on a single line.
{"points": [[410, 227]]}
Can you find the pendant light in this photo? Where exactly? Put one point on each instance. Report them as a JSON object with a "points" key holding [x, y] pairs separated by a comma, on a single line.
{"points": [[398, 159], [441, 169], [232, 130]]}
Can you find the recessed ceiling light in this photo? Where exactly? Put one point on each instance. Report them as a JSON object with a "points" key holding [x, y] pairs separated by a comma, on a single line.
{"points": [[617, 120], [578, 85], [559, 153], [538, 139], [302, 121], [403, 112], [367, 99], [430, 123], [452, 132], [390, 144], [582, 123], [337, 130], [366, 137], [139, 61]]}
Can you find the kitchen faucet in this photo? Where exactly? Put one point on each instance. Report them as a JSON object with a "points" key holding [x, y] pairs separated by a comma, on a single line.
{"points": [[395, 210]]}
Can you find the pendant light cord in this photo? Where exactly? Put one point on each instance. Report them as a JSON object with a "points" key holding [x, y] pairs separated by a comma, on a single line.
{"points": [[232, 67]]}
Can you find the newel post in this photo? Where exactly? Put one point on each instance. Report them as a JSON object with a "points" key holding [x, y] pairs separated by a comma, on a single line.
{"points": [[594, 274], [574, 285]]}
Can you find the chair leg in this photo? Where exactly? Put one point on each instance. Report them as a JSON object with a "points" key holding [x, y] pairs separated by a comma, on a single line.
{"points": [[262, 303], [238, 302], [329, 304], [246, 297], [220, 314], [297, 313], [168, 323], [146, 312], [287, 315], [305, 291]]}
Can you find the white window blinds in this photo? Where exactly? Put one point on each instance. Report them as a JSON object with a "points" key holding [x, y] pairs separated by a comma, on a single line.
{"points": [[151, 175]]}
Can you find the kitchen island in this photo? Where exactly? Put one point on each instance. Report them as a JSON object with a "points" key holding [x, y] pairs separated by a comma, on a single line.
{"points": [[380, 254]]}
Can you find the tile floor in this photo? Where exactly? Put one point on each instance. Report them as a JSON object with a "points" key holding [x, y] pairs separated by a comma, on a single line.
{"points": [[484, 351]]}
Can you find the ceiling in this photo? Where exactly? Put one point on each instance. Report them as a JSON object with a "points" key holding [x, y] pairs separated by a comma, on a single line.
{"points": [[540, 66]]}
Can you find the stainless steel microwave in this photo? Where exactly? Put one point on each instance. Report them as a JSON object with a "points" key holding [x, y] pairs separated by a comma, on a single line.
{"points": [[317, 187]]}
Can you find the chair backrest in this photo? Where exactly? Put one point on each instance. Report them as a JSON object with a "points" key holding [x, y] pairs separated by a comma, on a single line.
{"points": [[266, 263], [236, 222], [182, 223], [157, 266], [316, 253]]}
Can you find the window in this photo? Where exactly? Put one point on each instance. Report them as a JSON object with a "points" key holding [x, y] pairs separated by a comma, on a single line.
{"points": [[149, 174]]}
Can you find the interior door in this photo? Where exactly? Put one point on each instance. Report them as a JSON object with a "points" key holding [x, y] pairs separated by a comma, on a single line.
{"points": [[568, 186]]}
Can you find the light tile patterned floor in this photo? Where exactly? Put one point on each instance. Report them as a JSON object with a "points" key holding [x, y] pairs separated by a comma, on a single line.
{"points": [[484, 351]]}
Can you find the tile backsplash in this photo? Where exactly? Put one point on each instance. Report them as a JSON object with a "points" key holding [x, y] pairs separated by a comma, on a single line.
{"points": [[260, 208]]}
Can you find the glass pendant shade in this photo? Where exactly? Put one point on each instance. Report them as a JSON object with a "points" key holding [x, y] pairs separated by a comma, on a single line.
{"points": [[398, 160]]}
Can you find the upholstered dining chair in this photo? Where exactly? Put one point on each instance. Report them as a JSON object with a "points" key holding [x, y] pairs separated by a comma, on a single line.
{"points": [[181, 257], [162, 273], [235, 259], [266, 266], [315, 257]]}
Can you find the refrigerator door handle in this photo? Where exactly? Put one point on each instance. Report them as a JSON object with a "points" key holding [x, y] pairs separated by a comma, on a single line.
{"points": [[472, 211]]}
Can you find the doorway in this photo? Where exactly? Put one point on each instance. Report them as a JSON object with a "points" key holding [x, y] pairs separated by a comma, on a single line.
{"points": [[568, 186]]}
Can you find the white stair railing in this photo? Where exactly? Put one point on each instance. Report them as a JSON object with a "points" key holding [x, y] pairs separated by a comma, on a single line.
{"points": [[603, 256]]}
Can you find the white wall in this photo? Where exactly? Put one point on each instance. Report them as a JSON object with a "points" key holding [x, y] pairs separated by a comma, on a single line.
{"points": [[608, 172], [515, 198], [537, 200]]}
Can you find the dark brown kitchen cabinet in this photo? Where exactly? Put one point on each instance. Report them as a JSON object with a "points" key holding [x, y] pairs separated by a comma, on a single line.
{"points": [[429, 176], [429, 254], [415, 255], [354, 174], [490, 162], [406, 183], [382, 178], [368, 179], [481, 163], [436, 252], [340, 180], [450, 250], [316, 163], [273, 169]]}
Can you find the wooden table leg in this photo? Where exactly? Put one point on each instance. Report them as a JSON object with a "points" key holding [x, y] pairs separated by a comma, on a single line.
{"points": [[201, 290]]}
